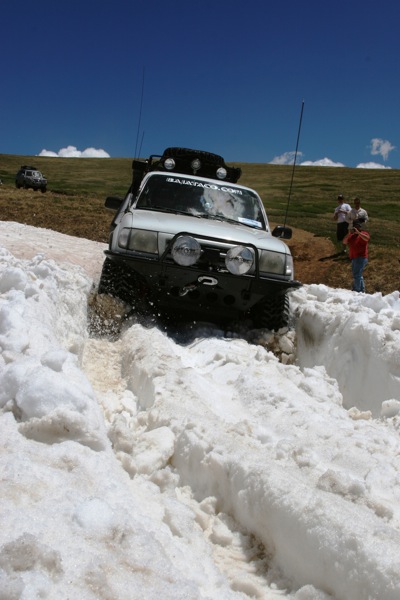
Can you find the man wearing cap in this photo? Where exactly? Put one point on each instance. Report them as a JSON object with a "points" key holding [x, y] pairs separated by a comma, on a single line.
{"points": [[342, 224], [357, 240]]}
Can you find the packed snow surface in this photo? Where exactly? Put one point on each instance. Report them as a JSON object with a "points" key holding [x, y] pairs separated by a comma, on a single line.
{"points": [[155, 464]]}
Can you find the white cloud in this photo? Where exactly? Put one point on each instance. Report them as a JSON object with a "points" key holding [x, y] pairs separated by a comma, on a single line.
{"points": [[287, 158], [73, 152], [381, 147], [95, 153], [371, 165], [47, 153], [322, 162]]}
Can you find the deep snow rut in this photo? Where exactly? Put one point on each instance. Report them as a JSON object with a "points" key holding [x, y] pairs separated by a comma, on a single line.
{"points": [[145, 447], [102, 364]]}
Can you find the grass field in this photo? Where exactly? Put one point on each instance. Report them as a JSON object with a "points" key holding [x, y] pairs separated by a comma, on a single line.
{"points": [[77, 187]]}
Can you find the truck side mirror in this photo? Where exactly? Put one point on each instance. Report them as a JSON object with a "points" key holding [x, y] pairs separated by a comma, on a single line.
{"points": [[281, 231], [113, 202]]}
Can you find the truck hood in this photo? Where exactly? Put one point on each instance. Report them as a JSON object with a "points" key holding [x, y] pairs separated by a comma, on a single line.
{"points": [[171, 224]]}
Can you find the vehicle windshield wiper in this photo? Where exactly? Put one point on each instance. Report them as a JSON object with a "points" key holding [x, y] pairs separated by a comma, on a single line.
{"points": [[176, 211], [199, 215], [230, 220], [251, 225], [218, 218]]}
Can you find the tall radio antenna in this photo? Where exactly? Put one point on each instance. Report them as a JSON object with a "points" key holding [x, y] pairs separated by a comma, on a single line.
{"points": [[294, 162], [140, 119]]}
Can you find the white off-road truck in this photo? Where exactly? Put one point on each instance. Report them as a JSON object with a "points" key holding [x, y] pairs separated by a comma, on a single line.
{"points": [[188, 243]]}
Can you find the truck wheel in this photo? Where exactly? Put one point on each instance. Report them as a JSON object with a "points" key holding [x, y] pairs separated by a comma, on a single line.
{"points": [[120, 283], [110, 279], [272, 312]]}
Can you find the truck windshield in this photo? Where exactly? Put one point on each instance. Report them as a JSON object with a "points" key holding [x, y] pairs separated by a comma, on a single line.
{"points": [[202, 198]]}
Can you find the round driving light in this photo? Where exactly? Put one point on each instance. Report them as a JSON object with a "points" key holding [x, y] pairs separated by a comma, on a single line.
{"points": [[239, 260], [195, 164], [221, 173], [185, 251], [169, 164]]}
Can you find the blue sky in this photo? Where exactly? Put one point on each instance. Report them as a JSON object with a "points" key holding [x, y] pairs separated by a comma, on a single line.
{"points": [[226, 76]]}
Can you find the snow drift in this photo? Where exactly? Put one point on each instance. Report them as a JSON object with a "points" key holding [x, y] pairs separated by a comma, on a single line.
{"points": [[147, 466]]}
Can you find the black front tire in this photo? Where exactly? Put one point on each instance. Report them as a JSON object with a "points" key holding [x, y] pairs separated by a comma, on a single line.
{"points": [[121, 283], [272, 312], [111, 279]]}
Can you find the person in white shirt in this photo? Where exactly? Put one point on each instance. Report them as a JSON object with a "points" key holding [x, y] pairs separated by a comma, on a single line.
{"points": [[342, 224], [356, 213]]}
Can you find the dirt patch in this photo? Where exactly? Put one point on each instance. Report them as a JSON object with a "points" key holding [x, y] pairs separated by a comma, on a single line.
{"points": [[311, 256], [316, 261]]}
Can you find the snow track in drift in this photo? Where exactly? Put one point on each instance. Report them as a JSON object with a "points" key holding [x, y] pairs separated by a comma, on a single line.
{"points": [[145, 448], [212, 417]]}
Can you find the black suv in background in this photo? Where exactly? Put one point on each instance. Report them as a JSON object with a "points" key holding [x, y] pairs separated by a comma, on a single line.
{"points": [[30, 177]]}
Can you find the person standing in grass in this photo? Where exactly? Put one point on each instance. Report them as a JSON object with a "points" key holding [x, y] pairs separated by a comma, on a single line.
{"points": [[357, 212], [357, 240], [342, 225]]}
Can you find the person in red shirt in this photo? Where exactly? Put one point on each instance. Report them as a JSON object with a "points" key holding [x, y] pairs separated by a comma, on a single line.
{"points": [[357, 239]]}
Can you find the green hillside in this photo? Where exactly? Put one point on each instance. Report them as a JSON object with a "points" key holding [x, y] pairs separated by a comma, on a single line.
{"points": [[312, 199]]}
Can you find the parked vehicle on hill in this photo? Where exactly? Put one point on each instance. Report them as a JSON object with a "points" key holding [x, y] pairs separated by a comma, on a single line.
{"points": [[189, 242], [30, 177]]}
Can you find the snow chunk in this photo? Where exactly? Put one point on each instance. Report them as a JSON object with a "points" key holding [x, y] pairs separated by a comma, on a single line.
{"points": [[97, 517], [390, 408], [153, 449], [13, 278]]}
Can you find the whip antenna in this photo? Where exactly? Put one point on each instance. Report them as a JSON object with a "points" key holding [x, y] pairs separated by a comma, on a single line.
{"points": [[294, 162], [141, 142], [140, 118]]}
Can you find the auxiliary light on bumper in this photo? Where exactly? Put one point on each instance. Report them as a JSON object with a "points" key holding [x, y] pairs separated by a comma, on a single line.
{"points": [[239, 260], [186, 250]]}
